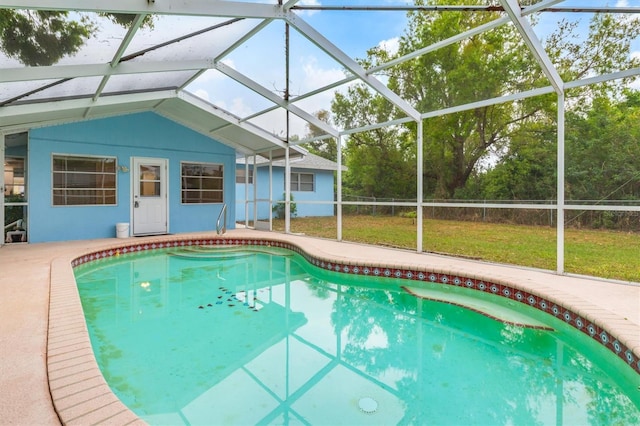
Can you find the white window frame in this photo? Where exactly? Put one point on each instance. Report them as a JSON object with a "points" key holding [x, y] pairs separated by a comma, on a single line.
{"points": [[296, 183], [201, 189], [96, 189], [240, 179]]}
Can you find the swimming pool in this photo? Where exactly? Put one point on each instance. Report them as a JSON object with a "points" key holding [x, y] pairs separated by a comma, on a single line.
{"points": [[307, 345]]}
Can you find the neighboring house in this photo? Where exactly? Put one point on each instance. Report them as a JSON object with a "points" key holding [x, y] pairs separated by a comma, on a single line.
{"points": [[312, 180]]}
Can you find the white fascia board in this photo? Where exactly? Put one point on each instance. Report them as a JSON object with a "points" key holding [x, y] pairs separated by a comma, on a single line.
{"points": [[9, 75], [268, 94], [40, 107], [161, 7], [531, 40], [230, 118], [37, 112], [323, 43]]}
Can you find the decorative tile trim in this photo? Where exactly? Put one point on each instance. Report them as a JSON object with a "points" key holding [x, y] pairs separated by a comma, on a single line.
{"points": [[507, 290]]}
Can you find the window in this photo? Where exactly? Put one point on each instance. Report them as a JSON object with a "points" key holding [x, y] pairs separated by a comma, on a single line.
{"points": [[240, 173], [202, 183], [302, 182], [84, 180], [14, 183]]}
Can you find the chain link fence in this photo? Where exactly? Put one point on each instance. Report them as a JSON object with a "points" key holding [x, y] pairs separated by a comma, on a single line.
{"points": [[485, 211]]}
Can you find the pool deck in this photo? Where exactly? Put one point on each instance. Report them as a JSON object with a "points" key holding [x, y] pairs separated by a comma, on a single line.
{"points": [[40, 317]]}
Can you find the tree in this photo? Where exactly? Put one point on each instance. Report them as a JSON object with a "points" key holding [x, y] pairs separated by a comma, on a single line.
{"points": [[380, 163], [488, 65], [528, 169], [602, 161], [603, 150], [280, 207], [325, 148], [41, 37]]}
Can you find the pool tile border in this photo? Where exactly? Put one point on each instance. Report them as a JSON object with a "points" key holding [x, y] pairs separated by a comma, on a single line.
{"points": [[81, 395]]}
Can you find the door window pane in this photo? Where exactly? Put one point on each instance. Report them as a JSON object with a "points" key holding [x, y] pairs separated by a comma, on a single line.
{"points": [[149, 180]]}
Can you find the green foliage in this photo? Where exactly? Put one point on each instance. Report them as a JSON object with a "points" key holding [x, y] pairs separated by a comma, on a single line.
{"points": [[41, 37], [410, 214], [13, 213], [325, 148], [126, 19], [603, 151], [518, 136], [279, 208], [527, 171], [381, 162]]}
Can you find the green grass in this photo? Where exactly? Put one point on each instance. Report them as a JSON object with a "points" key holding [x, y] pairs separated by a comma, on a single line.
{"points": [[605, 254]]}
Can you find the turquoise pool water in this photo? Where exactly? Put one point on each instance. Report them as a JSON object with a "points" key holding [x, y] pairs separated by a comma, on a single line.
{"points": [[241, 336]]}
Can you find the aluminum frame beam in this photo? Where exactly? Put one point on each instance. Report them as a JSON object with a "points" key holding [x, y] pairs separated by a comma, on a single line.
{"points": [[9, 75], [131, 32], [232, 119], [342, 58], [531, 40], [268, 94], [187, 8]]}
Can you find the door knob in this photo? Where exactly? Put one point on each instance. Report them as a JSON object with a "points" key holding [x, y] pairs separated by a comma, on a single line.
{"points": [[136, 204]]}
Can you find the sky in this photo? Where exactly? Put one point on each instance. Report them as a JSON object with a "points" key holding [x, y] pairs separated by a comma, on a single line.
{"points": [[262, 58]]}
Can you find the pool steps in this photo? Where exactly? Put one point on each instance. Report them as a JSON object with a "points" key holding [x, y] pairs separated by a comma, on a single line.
{"points": [[489, 309]]}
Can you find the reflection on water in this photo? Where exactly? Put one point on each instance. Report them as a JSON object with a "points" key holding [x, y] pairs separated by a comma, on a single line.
{"points": [[257, 338]]}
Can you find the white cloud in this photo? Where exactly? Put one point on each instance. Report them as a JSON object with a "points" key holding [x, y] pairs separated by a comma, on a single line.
{"points": [[391, 45], [237, 106], [308, 3], [201, 93], [315, 77]]}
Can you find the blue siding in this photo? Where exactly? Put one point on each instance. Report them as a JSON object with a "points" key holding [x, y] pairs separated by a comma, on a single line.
{"points": [[323, 192], [136, 135]]}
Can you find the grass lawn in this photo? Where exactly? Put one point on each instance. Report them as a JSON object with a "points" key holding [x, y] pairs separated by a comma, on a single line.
{"points": [[600, 253]]}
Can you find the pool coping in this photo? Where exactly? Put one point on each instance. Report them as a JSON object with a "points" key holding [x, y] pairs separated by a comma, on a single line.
{"points": [[81, 395]]}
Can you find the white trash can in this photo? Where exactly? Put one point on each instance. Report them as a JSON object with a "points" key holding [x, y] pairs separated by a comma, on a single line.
{"points": [[122, 230]]}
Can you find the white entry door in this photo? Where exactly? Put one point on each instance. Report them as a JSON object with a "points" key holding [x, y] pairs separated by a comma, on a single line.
{"points": [[150, 201]]}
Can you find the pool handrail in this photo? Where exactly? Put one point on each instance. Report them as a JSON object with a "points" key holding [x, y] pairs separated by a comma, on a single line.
{"points": [[222, 228]]}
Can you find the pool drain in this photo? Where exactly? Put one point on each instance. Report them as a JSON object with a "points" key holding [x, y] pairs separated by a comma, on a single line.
{"points": [[368, 405]]}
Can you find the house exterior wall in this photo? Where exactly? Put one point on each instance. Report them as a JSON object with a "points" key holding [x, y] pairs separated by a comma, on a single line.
{"points": [[136, 135], [323, 191]]}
